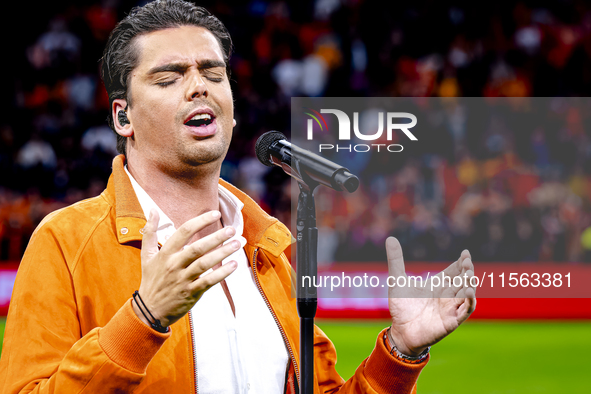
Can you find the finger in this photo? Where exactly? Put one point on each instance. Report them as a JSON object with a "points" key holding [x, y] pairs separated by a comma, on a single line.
{"points": [[456, 267], [451, 286], [462, 290], [467, 307], [466, 301], [467, 264], [214, 277], [395, 258], [204, 263], [188, 229], [471, 285], [149, 237], [464, 277], [205, 245]]}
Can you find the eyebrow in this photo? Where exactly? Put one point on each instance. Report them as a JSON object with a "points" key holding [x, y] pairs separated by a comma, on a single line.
{"points": [[182, 67], [210, 63]]}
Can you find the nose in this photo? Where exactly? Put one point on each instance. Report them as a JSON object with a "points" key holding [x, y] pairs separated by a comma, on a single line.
{"points": [[197, 87]]}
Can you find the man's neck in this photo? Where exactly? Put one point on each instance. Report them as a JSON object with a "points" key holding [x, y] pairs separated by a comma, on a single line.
{"points": [[180, 197]]}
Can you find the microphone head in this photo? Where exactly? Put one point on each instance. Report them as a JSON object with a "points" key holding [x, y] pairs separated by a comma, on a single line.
{"points": [[264, 143]]}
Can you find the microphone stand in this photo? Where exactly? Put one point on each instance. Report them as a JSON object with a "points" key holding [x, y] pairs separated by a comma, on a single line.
{"points": [[306, 266], [310, 171]]}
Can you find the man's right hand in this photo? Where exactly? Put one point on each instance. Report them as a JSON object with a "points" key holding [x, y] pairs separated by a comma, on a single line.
{"points": [[171, 277]]}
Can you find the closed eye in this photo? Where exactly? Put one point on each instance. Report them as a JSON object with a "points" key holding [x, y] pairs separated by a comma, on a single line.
{"points": [[215, 78], [165, 83], [214, 75]]}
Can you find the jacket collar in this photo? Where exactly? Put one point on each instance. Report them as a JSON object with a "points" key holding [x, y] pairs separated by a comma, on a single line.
{"points": [[260, 229]]}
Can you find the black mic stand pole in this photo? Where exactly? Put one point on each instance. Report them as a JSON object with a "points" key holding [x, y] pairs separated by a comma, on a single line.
{"points": [[306, 266], [309, 171]]}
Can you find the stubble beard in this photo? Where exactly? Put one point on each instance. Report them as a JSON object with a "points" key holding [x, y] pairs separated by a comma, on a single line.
{"points": [[201, 158], [207, 153]]}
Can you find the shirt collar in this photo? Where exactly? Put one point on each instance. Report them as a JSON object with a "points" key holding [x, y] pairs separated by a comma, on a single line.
{"points": [[260, 229]]}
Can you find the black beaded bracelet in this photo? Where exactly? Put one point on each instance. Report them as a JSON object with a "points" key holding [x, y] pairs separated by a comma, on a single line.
{"points": [[401, 356], [156, 325]]}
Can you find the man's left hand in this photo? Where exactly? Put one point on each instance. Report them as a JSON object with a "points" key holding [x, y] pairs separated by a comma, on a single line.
{"points": [[424, 315]]}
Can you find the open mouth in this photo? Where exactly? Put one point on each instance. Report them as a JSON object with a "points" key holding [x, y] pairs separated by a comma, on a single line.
{"points": [[200, 120]]}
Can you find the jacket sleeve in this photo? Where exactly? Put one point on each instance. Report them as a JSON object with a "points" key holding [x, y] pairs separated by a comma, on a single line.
{"points": [[379, 373], [44, 351]]}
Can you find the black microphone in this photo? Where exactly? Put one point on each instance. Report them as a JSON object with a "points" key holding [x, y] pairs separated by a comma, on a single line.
{"points": [[272, 148]]}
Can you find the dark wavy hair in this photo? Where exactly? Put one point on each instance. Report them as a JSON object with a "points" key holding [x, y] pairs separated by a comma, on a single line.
{"points": [[121, 56]]}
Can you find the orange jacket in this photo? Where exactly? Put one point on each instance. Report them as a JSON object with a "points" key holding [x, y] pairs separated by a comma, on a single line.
{"points": [[71, 328]]}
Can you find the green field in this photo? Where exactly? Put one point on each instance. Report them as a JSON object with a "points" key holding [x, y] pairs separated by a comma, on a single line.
{"points": [[484, 357], [487, 357], [2, 324]]}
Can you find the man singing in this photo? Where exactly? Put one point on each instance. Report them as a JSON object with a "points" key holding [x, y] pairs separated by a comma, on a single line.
{"points": [[172, 280]]}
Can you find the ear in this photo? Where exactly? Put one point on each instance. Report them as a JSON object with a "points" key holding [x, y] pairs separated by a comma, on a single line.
{"points": [[124, 130]]}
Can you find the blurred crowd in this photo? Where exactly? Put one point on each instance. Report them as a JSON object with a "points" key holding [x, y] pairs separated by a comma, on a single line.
{"points": [[518, 190], [507, 196]]}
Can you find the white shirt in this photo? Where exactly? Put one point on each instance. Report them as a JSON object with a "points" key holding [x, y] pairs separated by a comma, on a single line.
{"points": [[233, 354]]}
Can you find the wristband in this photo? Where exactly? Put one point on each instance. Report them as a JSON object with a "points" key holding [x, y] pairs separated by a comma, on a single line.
{"points": [[156, 325], [401, 356]]}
